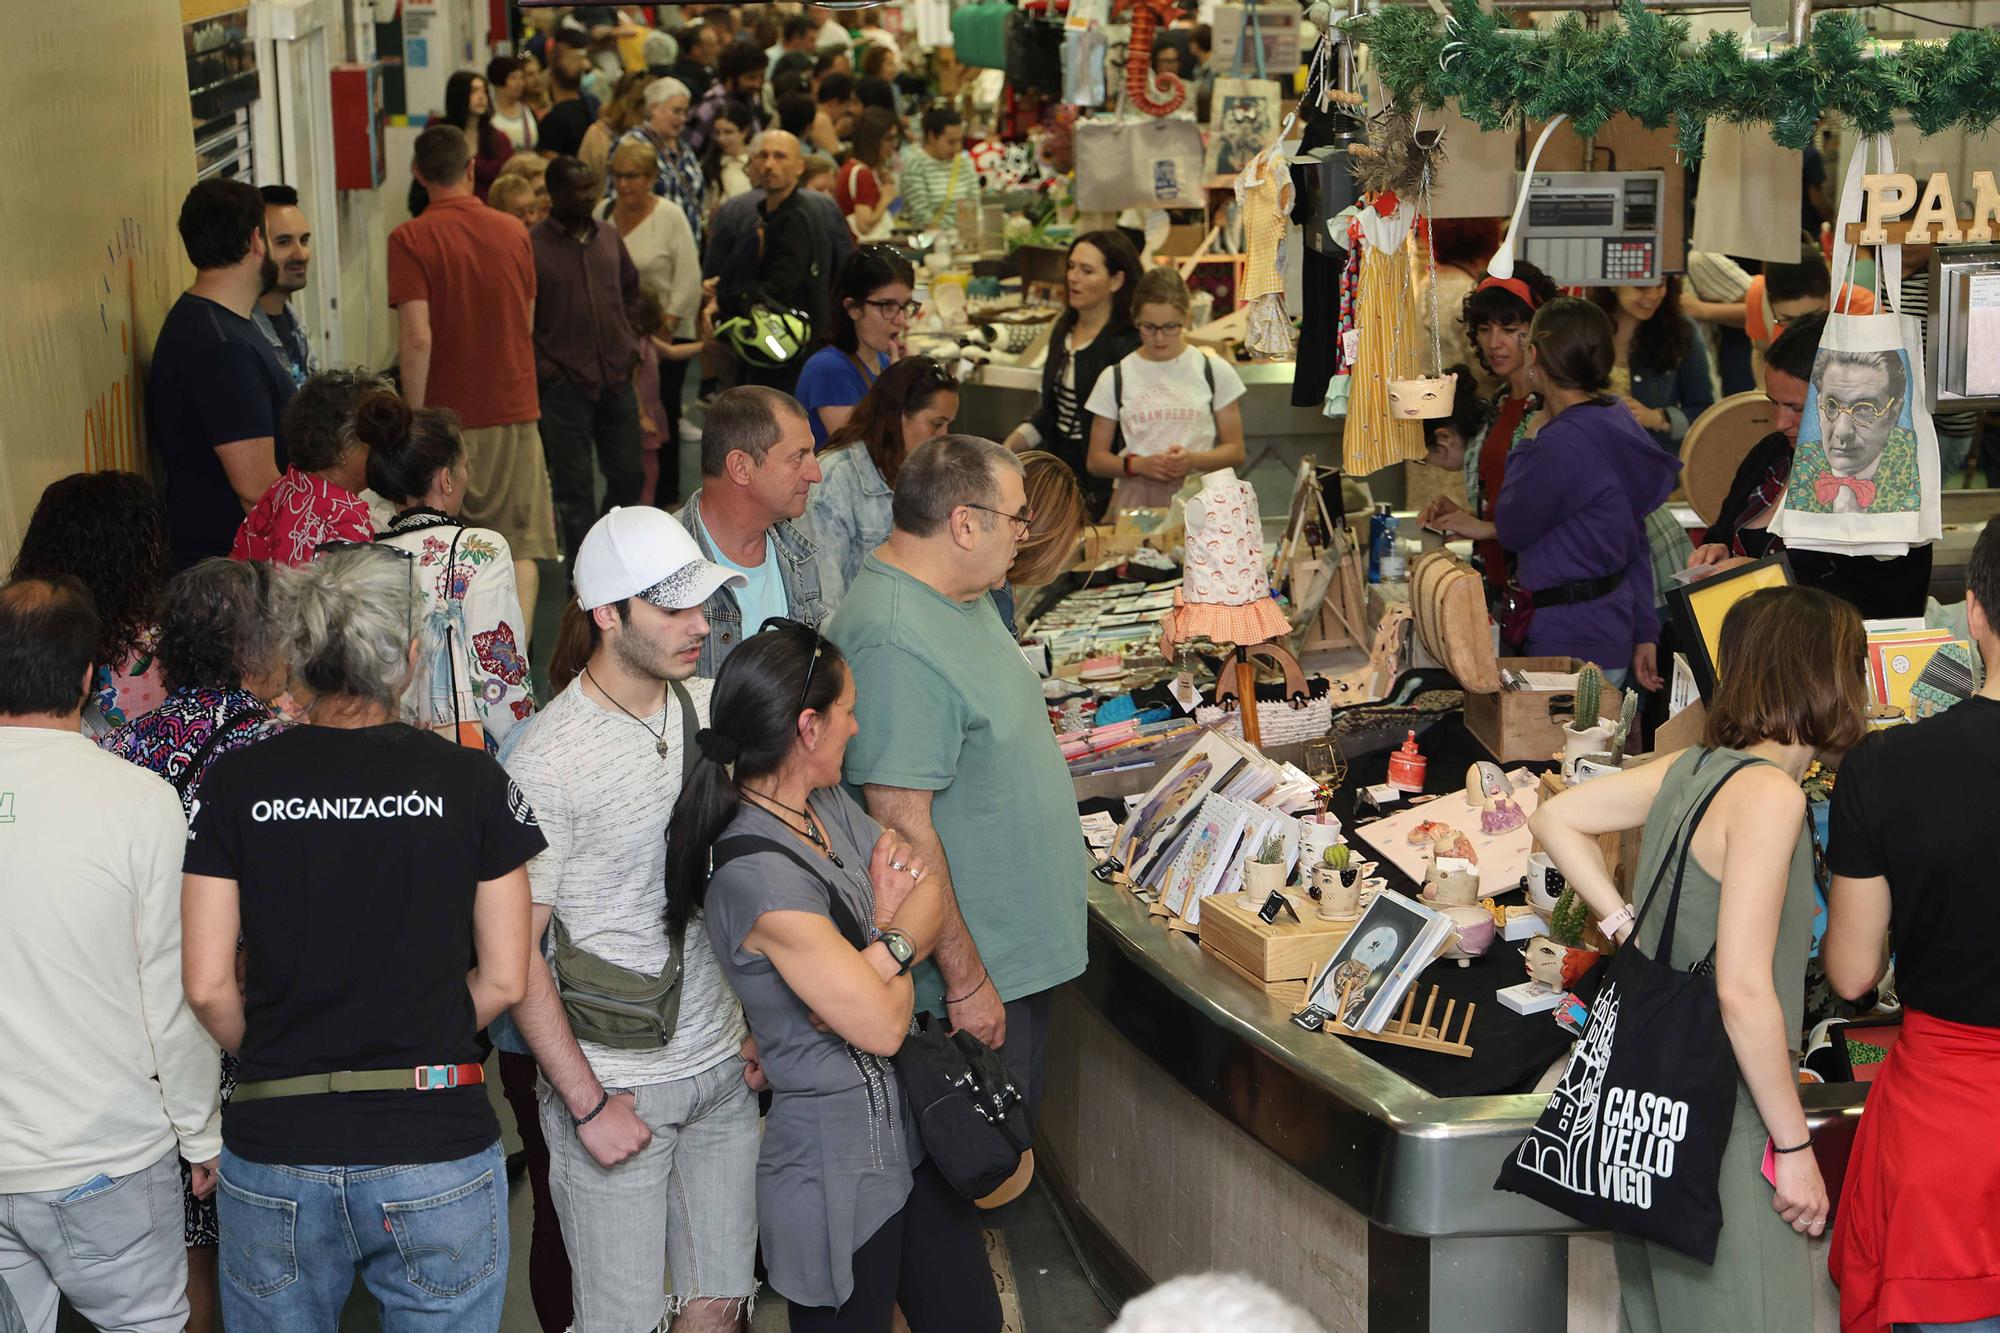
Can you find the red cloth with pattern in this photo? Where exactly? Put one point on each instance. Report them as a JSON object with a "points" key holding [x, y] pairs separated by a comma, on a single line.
{"points": [[297, 516], [1914, 1241]]}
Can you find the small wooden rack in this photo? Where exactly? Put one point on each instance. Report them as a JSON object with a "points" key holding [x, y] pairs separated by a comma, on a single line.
{"points": [[1400, 1031]]}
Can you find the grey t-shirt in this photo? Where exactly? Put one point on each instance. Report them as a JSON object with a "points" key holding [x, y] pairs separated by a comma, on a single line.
{"points": [[603, 796], [838, 1146]]}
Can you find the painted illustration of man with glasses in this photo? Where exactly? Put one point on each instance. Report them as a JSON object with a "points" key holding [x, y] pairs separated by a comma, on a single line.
{"points": [[1864, 460]]}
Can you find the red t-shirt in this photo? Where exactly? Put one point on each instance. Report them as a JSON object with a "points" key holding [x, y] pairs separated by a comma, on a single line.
{"points": [[475, 266], [855, 184], [297, 516]]}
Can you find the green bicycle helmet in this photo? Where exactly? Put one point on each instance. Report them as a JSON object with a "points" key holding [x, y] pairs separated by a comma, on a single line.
{"points": [[766, 337]]}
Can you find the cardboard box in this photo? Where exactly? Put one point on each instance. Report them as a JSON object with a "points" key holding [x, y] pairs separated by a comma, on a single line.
{"points": [[1526, 725], [1288, 951]]}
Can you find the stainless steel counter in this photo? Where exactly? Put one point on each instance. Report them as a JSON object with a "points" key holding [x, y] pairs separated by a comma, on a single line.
{"points": [[1194, 1126]]}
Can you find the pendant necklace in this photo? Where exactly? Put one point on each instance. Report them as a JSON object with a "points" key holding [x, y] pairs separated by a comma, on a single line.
{"points": [[659, 737], [812, 829]]}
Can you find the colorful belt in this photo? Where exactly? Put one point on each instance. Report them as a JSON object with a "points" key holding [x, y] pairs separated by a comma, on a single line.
{"points": [[422, 1078]]}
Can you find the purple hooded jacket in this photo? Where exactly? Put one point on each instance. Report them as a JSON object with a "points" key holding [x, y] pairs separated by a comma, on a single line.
{"points": [[1573, 507]]}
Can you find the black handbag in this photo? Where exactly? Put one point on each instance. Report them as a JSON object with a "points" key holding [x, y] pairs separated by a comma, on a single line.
{"points": [[972, 1119], [1633, 1136]]}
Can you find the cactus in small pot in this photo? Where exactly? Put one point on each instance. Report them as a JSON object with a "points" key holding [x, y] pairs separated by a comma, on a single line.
{"points": [[1341, 859], [1264, 873], [1571, 915], [1589, 696], [1628, 713]]}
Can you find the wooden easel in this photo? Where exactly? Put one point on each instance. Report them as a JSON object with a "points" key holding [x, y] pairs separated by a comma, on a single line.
{"points": [[1400, 1031]]}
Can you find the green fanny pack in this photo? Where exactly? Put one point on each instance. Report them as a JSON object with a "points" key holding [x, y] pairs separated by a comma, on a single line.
{"points": [[616, 1006]]}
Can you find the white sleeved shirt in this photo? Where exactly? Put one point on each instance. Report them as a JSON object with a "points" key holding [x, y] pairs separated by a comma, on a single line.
{"points": [[106, 1068]]}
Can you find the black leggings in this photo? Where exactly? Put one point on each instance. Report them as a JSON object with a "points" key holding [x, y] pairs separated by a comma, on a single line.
{"points": [[929, 1258]]}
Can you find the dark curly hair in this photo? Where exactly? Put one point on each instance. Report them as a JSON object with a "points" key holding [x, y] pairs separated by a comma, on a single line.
{"points": [[1663, 341], [109, 530], [216, 625], [1497, 305]]}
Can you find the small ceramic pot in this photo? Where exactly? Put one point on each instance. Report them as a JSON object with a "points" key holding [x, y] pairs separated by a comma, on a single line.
{"points": [[1590, 766], [1370, 886], [1316, 834], [1474, 933], [1339, 893], [1578, 742], [1545, 884], [1261, 880], [1452, 883]]}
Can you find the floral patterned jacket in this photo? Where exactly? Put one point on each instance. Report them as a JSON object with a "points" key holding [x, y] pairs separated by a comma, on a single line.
{"points": [[471, 662]]}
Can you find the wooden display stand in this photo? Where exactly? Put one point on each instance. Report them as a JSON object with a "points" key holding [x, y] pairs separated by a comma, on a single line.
{"points": [[1526, 726], [1400, 1031], [1289, 951]]}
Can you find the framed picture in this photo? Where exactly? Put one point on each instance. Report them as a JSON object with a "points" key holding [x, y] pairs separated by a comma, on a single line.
{"points": [[1699, 609], [1862, 1047]]}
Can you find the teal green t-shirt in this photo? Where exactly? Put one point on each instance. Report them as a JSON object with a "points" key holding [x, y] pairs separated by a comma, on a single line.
{"points": [[946, 704], [763, 594]]}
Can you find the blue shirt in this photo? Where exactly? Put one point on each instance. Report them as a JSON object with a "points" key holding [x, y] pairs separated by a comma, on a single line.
{"points": [[831, 378], [764, 595]]}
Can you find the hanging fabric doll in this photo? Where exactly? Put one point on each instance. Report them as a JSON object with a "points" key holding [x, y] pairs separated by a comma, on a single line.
{"points": [[1264, 200]]}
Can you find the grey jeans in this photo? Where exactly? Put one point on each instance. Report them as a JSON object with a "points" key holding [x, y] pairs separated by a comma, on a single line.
{"points": [[115, 1252], [687, 1200]]}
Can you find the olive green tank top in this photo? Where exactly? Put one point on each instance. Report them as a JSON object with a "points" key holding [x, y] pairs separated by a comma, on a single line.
{"points": [[1693, 774]]}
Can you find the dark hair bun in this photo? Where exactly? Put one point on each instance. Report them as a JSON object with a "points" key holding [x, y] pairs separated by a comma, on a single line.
{"points": [[382, 419]]}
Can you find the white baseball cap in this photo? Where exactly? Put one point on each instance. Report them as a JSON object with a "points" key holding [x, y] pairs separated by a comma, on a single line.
{"points": [[639, 551]]}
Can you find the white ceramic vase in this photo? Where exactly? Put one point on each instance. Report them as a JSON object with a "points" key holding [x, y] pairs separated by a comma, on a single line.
{"points": [[1588, 740]]}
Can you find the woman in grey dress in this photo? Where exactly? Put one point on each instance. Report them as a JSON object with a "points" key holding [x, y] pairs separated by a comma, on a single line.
{"points": [[816, 916], [1791, 688]]}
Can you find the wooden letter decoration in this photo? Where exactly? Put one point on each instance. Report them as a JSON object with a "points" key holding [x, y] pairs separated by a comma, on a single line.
{"points": [[1985, 207], [1938, 209], [1887, 197]]}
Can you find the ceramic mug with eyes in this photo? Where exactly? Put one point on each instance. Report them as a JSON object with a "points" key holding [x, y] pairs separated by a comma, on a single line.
{"points": [[1423, 399]]}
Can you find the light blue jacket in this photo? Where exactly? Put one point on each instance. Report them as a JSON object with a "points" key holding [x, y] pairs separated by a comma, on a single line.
{"points": [[850, 516]]}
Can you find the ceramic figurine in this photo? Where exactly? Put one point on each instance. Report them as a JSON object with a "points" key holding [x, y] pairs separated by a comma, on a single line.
{"points": [[1444, 840], [1407, 765], [1556, 965], [1450, 882], [1489, 789]]}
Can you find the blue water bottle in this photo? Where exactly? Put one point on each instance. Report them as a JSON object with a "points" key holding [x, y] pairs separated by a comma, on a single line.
{"points": [[1394, 567], [1377, 523]]}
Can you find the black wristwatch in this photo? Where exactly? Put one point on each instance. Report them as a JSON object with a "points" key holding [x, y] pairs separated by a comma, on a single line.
{"points": [[899, 947]]}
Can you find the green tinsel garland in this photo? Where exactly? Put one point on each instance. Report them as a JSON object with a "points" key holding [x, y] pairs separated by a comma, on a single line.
{"points": [[1645, 67]]}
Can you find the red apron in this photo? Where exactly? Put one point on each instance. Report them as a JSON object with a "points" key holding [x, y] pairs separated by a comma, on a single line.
{"points": [[1917, 1238]]}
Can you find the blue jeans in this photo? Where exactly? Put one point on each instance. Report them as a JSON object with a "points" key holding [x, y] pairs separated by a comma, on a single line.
{"points": [[430, 1243]]}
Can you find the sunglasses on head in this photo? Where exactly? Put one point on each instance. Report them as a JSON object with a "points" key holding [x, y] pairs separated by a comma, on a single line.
{"points": [[787, 623]]}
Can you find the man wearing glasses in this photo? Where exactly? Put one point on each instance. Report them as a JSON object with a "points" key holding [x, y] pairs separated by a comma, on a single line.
{"points": [[1871, 459], [955, 752]]}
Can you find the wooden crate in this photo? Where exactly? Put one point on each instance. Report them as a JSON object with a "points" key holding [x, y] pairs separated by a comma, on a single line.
{"points": [[1526, 726], [1288, 951]]}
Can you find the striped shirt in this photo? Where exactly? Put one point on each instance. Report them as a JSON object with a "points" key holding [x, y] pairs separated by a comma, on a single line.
{"points": [[932, 189]]}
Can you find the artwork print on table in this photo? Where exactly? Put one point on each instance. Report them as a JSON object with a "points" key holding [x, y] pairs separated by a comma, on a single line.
{"points": [[1857, 448], [1158, 815]]}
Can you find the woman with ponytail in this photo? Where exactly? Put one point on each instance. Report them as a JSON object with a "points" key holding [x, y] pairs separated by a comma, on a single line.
{"points": [[816, 915], [472, 678]]}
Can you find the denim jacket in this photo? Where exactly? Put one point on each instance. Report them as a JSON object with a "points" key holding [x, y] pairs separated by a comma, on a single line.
{"points": [[1683, 392], [850, 513], [798, 569]]}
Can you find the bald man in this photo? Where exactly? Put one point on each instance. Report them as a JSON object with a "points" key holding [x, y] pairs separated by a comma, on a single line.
{"points": [[795, 270]]}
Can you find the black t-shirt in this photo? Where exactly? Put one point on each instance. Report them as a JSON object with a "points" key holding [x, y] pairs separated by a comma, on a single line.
{"points": [[562, 130], [357, 855], [215, 379], [1913, 805]]}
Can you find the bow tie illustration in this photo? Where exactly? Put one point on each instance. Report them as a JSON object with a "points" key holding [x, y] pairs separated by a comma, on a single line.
{"points": [[1826, 487]]}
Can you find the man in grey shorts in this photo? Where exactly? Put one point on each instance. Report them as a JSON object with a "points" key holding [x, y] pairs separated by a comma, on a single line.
{"points": [[652, 1152]]}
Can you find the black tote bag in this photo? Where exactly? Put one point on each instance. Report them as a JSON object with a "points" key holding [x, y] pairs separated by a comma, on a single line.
{"points": [[1633, 1135]]}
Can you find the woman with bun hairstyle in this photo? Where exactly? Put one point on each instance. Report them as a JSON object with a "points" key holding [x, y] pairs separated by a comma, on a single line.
{"points": [[472, 678], [817, 915], [318, 499], [1574, 506]]}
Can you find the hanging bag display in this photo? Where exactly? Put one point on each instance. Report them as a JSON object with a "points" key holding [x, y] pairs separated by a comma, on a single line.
{"points": [[979, 34], [1633, 1136], [1864, 477], [1141, 162], [1243, 113]]}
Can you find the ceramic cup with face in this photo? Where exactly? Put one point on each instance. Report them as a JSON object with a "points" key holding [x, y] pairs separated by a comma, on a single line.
{"points": [[1421, 400], [1339, 892]]}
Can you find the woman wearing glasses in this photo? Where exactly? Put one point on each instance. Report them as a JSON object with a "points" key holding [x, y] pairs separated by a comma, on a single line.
{"points": [[817, 916], [871, 308], [1174, 404], [912, 402]]}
